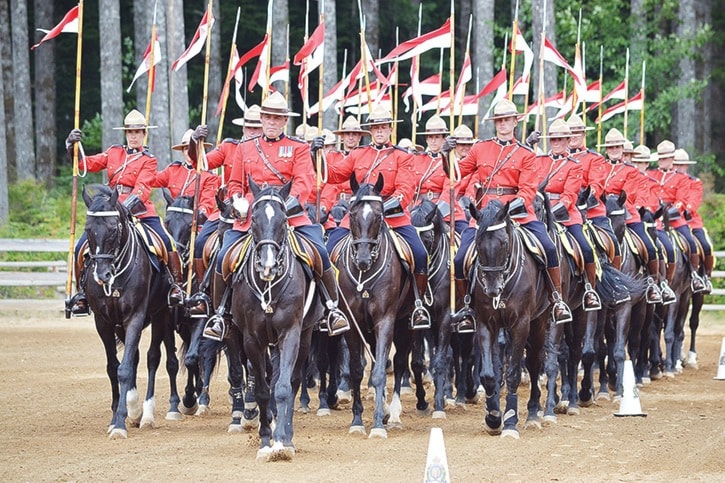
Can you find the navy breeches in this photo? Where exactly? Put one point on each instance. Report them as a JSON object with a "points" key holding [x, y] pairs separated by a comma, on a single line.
{"points": [[667, 243], [578, 233], [704, 240], [206, 231], [648, 242]]}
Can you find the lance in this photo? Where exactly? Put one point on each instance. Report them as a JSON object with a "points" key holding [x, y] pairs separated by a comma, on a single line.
{"points": [[599, 110], [318, 155], [626, 91], [74, 188], [225, 93], [452, 177], [415, 73], [641, 112], [395, 90], [463, 86], [151, 76], [541, 115], [201, 154], [514, 33], [363, 58]]}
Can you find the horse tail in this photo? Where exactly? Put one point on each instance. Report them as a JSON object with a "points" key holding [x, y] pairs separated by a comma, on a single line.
{"points": [[210, 353], [616, 285]]}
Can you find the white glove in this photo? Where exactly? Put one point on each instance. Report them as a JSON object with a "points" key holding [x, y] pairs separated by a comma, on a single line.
{"points": [[240, 206]]}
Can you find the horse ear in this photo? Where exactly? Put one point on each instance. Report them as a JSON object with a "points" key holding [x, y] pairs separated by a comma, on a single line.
{"points": [[167, 196], [284, 192], [432, 214], [473, 211], [86, 197], [252, 185], [503, 212], [622, 197], [603, 198], [379, 183], [641, 211], [354, 185]]}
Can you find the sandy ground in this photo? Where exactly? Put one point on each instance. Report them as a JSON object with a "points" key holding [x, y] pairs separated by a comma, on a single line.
{"points": [[55, 407]]}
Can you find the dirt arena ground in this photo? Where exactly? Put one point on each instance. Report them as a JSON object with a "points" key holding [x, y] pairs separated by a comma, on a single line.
{"points": [[55, 407]]}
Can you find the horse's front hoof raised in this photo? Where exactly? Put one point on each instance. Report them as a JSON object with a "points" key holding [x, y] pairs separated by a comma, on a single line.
{"points": [[380, 433], [510, 433], [357, 430]]}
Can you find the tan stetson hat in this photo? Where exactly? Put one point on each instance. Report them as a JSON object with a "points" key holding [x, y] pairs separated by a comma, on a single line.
{"points": [[134, 120], [628, 148], [577, 125], [504, 108], [310, 132], [642, 154], [558, 129], [613, 138], [329, 137], [681, 157], [251, 117], [185, 140], [406, 143], [276, 105], [380, 115], [435, 125], [463, 135], [351, 125], [666, 149]]}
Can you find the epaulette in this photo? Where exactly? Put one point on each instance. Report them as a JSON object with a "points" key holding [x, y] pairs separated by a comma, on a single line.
{"points": [[230, 140], [630, 165], [525, 146], [573, 159], [395, 146], [296, 139]]}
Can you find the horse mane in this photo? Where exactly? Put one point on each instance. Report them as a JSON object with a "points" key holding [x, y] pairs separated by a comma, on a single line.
{"points": [[420, 213], [487, 216], [364, 190], [100, 196]]}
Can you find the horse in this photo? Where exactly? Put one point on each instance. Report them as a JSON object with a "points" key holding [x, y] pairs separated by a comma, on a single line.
{"points": [[274, 303], [428, 221], [126, 294], [377, 290], [508, 293]]}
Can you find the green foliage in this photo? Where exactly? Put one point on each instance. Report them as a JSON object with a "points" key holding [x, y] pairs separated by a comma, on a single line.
{"points": [[92, 134]]}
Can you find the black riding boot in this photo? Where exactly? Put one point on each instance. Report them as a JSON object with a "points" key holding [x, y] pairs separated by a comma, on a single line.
{"points": [[216, 327], [591, 297], [199, 303], [337, 323], [560, 311], [697, 284], [420, 318], [176, 292], [465, 319], [654, 296], [77, 304], [668, 296]]}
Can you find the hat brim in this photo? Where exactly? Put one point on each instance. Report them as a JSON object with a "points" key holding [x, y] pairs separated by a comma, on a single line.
{"points": [[239, 121], [278, 113], [556, 136], [517, 115], [650, 160], [133, 128], [690, 161], [433, 133], [350, 131], [465, 141], [578, 129], [665, 155], [611, 145], [179, 147], [379, 123]]}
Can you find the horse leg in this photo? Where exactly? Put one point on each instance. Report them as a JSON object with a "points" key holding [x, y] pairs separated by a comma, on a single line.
{"points": [[256, 351], [384, 334], [575, 356], [172, 369], [194, 384], [440, 368], [304, 406], [669, 335], [333, 355], [698, 299], [619, 352], [126, 377], [589, 356], [606, 340], [418, 368], [208, 350], [322, 363], [682, 307], [551, 340], [108, 337], [561, 404], [355, 348], [489, 377], [344, 395], [153, 360], [289, 346], [519, 336], [402, 340]]}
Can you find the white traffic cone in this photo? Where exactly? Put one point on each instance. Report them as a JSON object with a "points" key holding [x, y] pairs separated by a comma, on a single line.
{"points": [[436, 464], [629, 405], [721, 364]]}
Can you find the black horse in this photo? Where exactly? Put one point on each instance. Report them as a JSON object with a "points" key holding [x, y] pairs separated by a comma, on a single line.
{"points": [[509, 293], [274, 303], [126, 294], [378, 290]]}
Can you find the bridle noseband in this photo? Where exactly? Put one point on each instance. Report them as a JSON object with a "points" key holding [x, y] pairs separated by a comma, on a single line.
{"points": [[374, 242], [119, 252]]}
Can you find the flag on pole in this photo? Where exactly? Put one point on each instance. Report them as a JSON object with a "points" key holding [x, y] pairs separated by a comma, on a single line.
{"points": [[197, 42], [249, 55], [633, 104], [437, 39], [279, 73], [238, 83], [594, 93], [427, 87], [556, 101], [69, 25], [465, 76], [497, 81], [552, 55], [146, 62], [259, 76], [313, 51], [618, 92], [501, 92], [522, 46], [470, 107]]}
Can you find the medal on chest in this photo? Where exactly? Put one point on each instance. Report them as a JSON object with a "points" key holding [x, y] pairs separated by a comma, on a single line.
{"points": [[284, 152]]}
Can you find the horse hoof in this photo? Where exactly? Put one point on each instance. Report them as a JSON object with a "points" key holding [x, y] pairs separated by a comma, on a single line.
{"points": [[603, 396], [669, 374], [147, 422], [188, 411], [439, 415], [656, 376], [235, 428], [323, 412], [395, 425], [572, 411], [378, 433], [250, 424], [357, 430], [586, 404], [344, 397], [263, 454], [549, 419], [450, 402], [532, 424], [202, 410], [117, 433], [561, 407], [646, 380], [617, 399], [510, 433], [460, 404], [692, 360], [423, 412], [406, 391], [281, 452], [174, 416], [303, 409], [474, 400]]}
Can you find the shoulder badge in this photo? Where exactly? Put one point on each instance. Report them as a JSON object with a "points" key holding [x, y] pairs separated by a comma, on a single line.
{"points": [[230, 140]]}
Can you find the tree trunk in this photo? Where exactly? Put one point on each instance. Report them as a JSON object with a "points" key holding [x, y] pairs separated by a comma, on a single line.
{"points": [[4, 205], [215, 75], [706, 119], [329, 118], [160, 138], [45, 127], [638, 41], [482, 54], [6, 62], [371, 12], [111, 85], [178, 89], [550, 84], [685, 121], [23, 106]]}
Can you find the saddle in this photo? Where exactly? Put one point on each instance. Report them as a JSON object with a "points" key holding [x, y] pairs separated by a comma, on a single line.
{"points": [[154, 243], [402, 248], [636, 245], [210, 246], [601, 239], [678, 240], [530, 242], [236, 255], [572, 247]]}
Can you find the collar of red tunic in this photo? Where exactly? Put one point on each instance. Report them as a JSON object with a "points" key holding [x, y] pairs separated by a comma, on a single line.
{"points": [[664, 170], [557, 156], [614, 161], [380, 147], [273, 140], [133, 150], [505, 143]]}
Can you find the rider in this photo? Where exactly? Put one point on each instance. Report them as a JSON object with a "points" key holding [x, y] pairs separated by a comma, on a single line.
{"points": [[674, 190], [506, 171], [625, 177], [394, 164], [681, 163], [464, 142], [273, 159], [648, 198], [131, 171], [562, 179]]}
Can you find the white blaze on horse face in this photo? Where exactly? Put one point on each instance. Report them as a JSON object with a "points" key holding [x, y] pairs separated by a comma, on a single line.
{"points": [[269, 211], [367, 211]]}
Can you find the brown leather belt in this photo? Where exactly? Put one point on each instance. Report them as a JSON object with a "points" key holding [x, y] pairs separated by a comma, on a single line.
{"points": [[500, 191], [123, 189]]}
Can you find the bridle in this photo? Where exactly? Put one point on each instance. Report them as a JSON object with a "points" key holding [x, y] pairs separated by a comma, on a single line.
{"points": [[184, 247], [510, 266], [121, 250], [375, 242]]}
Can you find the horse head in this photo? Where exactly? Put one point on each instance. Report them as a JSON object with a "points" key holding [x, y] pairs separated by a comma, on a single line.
{"points": [[428, 222], [650, 220], [107, 231], [366, 221], [616, 212], [179, 213], [269, 228], [494, 240]]}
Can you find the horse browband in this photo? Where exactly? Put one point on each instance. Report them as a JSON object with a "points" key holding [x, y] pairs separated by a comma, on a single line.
{"points": [[103, 213], [272, 197]]}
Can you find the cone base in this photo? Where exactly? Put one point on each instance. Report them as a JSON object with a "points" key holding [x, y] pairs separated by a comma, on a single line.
{"points": [[620, 415]]}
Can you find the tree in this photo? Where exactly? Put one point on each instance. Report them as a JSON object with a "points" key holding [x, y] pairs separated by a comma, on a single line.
{"points": [[330, 62], [45, 132], [371, 13], [482, 46], [109, 22], [22, 104], [4, 209], [178, 81], [684, 121], [6, 62]]}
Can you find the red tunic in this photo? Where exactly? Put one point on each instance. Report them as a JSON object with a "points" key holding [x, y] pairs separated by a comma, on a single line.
{"points": [[694, 202], [673, 187], [565, 181], [594, 172], [502, 165], [367, 162], [180, 179], [624, 177], [432, 182], [223, 155], [131, 172], [648, 193], [290, 157]]}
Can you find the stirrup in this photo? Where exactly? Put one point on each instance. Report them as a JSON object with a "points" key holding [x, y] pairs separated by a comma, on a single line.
{"points": [[559, 304], [336, 314], [464, 321], [597, 305], [72, 308], [176, 301], [420, 318], [668, 295], [697, 284], [194, 305], [708, 284], [653, 296], [216, 328]]}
